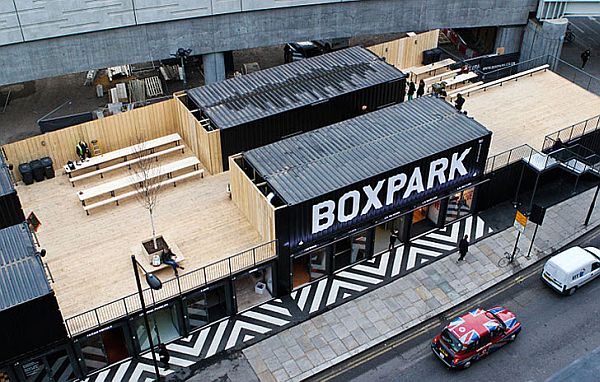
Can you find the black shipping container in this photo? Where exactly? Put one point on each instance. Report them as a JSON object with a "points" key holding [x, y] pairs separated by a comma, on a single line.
{"points": [[263, 107], [26, 173], [365, 156], [29, 311], [37, 169]]}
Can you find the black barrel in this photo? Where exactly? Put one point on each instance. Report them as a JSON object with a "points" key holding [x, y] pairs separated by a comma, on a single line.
{"points": [[48, 168], [37, 169], [26, 173]]}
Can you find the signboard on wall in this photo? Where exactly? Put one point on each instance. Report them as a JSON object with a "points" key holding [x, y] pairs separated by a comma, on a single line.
{"points": [[382, 195]]}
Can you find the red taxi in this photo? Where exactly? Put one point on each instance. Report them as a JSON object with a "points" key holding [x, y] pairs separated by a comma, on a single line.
{"points": [[474, 335]]}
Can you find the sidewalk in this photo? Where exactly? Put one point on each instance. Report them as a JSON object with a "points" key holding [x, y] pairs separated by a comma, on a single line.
{"points": [[338, 334]]}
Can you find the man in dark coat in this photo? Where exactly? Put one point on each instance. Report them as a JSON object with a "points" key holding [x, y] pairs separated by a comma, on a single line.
{"points": [[411, 90], [393, 237], [163, 354], [585, 56], [460, 101], [463, 247]]}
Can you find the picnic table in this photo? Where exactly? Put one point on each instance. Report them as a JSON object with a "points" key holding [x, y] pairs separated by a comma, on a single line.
{"points": [[95, 162]]}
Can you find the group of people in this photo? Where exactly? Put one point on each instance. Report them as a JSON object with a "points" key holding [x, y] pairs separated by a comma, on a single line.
{"points": [[412, 89]]}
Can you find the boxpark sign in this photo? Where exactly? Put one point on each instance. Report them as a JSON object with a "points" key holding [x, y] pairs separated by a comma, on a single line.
{"points": [[398, 189]]}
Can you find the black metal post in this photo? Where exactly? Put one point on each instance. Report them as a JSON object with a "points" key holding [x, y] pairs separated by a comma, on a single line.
{"points": [[535, 186], [519, 186], [146, 323], [589, 214], [512, 256], [532, 239]]}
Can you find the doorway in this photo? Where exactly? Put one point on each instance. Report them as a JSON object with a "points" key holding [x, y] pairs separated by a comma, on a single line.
{"points": [[425, 218], [460, 204], [309, 267]]}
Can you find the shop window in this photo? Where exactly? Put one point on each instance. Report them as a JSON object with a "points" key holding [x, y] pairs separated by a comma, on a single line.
{"points": [[384, 231], [104, 348], [349, 251], [55, 367], [164, 326], [310, 267], [459, 204], [206, 307], [253, 288], [425, 219]]}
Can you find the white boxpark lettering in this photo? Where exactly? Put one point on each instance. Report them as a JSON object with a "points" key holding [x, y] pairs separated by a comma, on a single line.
{"points": [[348, 206]]}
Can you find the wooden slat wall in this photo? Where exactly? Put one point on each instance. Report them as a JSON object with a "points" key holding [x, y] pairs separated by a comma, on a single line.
{"points": [[251, 202], [112, 133], [408, 51], [206, 145]]}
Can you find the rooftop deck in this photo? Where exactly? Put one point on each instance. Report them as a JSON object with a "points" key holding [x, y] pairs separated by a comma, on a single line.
{"points": [[89, 256], [527, 110]]}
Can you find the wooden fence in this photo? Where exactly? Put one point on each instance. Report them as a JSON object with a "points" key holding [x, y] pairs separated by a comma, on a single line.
{"points": [[407, 52], [251, 202], [205, 144], [112, 133]]}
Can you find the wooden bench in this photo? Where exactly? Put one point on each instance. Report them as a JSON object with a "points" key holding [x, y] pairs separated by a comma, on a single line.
{"points": [[128, 163], [117, 198], [127, 181], [95, 162], [455, 92], [441, 77], [500, 81], [460, 78], [416, 72]]}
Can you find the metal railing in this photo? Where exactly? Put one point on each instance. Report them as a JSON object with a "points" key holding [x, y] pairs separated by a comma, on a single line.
{"points": [[576, 75], [173, 287], [570, 133], [508, 157], [517, 68]]}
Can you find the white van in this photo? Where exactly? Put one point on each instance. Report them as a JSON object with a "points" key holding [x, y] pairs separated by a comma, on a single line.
{"points": [[572, 268]]}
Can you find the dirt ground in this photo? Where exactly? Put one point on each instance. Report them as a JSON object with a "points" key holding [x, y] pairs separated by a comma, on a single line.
{"points": [[33, 100]]}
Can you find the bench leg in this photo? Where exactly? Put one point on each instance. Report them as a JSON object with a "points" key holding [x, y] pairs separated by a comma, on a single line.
{"points": [[174, 184], [112, 194], [117, 202], [73, 184], [101, 176], [87, 213]]}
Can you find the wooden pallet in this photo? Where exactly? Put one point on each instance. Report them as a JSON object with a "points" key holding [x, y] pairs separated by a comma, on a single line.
{"points": [[153, 87]]}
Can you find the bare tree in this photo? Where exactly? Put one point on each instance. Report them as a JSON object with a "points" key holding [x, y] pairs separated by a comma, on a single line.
{"points": [[147, 185]]}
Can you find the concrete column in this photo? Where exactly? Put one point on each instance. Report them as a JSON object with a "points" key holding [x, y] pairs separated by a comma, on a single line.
{"points": [[214, 67], [509, 38], [542, 39]]}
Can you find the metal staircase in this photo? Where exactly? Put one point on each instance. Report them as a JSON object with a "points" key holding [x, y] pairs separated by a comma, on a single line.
{"points": [[575, 159]]}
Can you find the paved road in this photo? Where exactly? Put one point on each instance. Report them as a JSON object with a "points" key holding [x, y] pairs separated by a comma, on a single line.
{"points": [[556, 331]]}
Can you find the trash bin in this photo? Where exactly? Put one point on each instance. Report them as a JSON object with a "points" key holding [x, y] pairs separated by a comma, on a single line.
{"points": [[26, 173], [37, 170], [48, 168]]}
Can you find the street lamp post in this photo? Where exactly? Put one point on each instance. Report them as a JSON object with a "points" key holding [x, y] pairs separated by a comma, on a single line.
{"points": [[155, 284]]}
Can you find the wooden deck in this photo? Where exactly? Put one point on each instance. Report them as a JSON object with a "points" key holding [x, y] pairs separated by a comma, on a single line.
{"points": [[89, 255], [527, 110]]}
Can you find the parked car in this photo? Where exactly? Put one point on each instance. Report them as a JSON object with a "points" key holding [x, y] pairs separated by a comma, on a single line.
{"points": [[570, 269], [474, 335], [296, 51]]}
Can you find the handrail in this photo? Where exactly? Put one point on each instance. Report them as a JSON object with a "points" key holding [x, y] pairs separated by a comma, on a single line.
{"points": [[173, 287], [508, 157], [569, 133]]}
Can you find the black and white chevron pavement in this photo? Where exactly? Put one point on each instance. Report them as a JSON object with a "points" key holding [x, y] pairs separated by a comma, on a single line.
{"points": [[276, 315]]}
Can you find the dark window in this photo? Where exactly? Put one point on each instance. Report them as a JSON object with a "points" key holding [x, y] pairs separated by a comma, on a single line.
{"points": [[595, 266], [451, 340]]}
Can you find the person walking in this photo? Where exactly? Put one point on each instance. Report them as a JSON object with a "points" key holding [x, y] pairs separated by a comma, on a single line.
{"points": [[460, 101], [411, 90], [393, 237], [164, 355], [421, 89], [82, 150], [585, 56], [463, 247]]}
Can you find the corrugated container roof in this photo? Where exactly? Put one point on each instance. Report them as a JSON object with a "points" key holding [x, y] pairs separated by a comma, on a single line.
{"points": [[6, 185], [315, 163], [271, 91], [22, 276]]}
